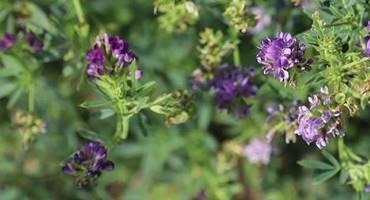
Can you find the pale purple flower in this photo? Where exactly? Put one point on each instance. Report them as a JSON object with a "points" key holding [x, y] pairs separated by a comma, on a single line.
{"points": [[318, 123], [138, 74], [262, 18], [7, 42], [367, 188], [278, 55], [367, 47], [258, 151]]}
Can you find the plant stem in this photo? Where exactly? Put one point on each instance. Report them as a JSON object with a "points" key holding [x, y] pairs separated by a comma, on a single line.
{"points": [[122, 126], [31, 99], [79, 12]]}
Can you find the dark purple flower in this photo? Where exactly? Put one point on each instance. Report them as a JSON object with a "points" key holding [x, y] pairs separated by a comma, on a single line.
{"points": [[7, 42], [258, 151], [368, 26], [319, 122], [200, 196], [232, 85], [108, 47], [95, 56], [88, 163], [36, 44], [367, 47], [280, 54]]}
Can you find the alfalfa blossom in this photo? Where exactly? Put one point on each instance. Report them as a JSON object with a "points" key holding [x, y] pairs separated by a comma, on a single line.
{"points": [[87, 164], [108, 47], [367, 188], [232, 86], [367, 47], [7, 42], [280, 54], [318, 122], [34, 43], [262, 20], [258, 151]]}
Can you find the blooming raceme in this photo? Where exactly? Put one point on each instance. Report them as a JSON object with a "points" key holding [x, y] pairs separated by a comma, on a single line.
{"points": [[258, 151], [35, 44], [88, 163], [7, 42], [367, 48], [280, 54], [319, 122], [107, 46], [232, 85]]}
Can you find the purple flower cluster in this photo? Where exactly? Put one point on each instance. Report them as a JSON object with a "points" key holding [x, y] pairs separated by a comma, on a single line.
{"points": [[107, 46], [367, 188], [318, 122], [7, 42], [280, 54], [367, 41], [258, 151], [232, 85], [35, 44], [88, 163], [200, 196]]}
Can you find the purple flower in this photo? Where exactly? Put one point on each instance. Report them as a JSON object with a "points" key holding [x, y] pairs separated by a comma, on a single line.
{"points": [[36, 44], [108, 47], [280, 54], [367, 47], [258, 151], [88, 163], [200, 196], [367, 188], [319, 122], [7, 42], [367, 24], [232, 85]]}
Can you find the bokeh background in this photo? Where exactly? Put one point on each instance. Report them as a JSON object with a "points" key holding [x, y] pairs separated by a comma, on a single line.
{"points": [[156, 162]]}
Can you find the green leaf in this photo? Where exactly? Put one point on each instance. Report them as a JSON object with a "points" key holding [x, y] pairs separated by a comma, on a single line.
{"points": [[12, 66], [146, 88], [331, 158], [6, 89], [39, 19], [14, 98], [343, 177], [94, 104], [325, 176], [103, 113], [315, 164], [89, 135]]}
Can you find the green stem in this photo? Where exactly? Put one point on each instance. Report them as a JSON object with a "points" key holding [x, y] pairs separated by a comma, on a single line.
{"points": [[79, 12], [236, 53], [31, 99], [122, 126], [236, 56]]}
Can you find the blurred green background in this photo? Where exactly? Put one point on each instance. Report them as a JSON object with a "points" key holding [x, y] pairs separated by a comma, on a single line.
{"points": [[156, 162]]}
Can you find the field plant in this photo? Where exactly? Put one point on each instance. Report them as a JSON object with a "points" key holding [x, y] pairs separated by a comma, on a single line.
{"points": [[185, 99]]}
